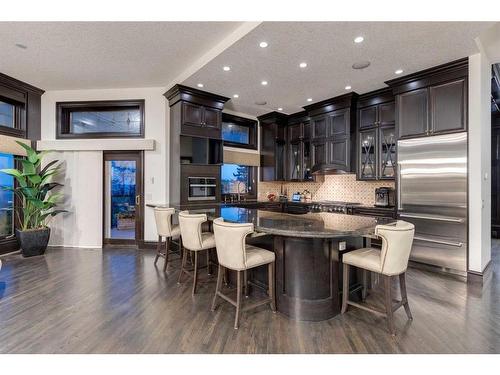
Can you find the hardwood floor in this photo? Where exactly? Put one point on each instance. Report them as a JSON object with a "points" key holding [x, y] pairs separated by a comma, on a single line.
{"points": [[116, 301]]}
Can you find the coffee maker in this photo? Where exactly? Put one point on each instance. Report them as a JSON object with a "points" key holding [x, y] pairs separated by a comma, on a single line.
{"points": [[384, 197]]}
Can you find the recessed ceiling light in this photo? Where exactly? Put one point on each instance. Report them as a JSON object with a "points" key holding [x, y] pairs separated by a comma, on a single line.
{"points": [[22, 46], [226, 68], [280, 109], [309, 99], [358, 39], [303, 64], [200, 85], [263, 44], [348, 87], [236, 96], [399, 71], [261, 102], [263, 83]]}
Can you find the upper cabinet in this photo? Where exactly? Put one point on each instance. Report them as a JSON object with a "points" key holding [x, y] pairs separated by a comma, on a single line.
{"points": [[333, 124], [198, 113], [433, 101], [376, 138], [298, 166], [273, 146]]}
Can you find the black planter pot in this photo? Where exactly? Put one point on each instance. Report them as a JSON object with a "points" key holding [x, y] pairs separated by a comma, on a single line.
{"points": [[33, 242]]}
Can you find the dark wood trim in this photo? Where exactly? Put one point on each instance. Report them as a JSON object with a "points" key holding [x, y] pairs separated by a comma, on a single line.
{"points": [[242, 121], [13, 82], [273, 117], [380, 96], [432, 76], [192, 95], [332, 104], [139, 217], [63, 110], [8, 245]]}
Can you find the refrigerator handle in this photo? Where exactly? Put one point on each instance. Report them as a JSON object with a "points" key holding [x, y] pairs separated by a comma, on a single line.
{"points": [[398, 181]]}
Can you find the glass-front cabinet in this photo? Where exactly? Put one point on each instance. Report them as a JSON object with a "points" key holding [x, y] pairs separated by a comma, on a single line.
{"points": [[377, 138], [387, 149], [367, 154], [294, 161]]}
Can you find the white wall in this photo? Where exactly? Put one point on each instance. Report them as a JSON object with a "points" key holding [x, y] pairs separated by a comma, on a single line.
{"points": [[82, 227], [479, 162]]}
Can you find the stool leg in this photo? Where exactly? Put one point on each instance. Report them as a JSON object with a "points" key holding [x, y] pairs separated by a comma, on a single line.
{"points": [[158, 250], [195, 272], [238, 300], [208, 262], [345, 288], [388, 304], [365, 285], [218, 287], [272, 287], [245, 283], [404, 297], [183, 265], [167, 250]]}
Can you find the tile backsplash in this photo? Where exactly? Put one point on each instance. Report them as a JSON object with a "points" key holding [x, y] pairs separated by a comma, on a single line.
{"points": [[334, 187]]}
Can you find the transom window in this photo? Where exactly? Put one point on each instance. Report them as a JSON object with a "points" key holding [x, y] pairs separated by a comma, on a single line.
{"points": [[239, 132], [108, 119], [7, 114]]}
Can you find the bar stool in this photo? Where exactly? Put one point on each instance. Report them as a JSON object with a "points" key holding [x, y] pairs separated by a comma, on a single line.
{"points": [[193, 239], [391, 260], [234, 254], [164, 227]]}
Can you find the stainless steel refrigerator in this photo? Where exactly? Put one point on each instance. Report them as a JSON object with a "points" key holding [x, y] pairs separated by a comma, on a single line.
{"points": [[432, 194]]}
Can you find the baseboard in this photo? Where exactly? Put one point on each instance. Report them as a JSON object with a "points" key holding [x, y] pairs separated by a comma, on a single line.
{"points": [[145, 245], [455, 274], [481, 278]]}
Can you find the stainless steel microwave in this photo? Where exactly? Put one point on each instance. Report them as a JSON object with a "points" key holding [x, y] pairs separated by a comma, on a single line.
{"points": [[202, 188]]}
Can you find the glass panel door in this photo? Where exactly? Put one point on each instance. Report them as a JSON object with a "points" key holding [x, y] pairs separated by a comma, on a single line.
{"points": [[122, 198], [367, 155], [294, 166], [387, 152]]}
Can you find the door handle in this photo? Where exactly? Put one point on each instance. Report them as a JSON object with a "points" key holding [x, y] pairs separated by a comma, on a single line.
{"points": [[398, 181], [137, 200], [440, 242], [436, 218]]}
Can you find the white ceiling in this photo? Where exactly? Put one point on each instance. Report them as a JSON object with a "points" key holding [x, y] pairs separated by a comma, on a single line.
{"points": [[80, 55], [329, 51]]}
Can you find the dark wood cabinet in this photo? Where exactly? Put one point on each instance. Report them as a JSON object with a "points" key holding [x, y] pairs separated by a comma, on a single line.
{"points": [[319, 153], [433, 101], [294, 132], [195, 137], [376, 140], [412, 113], [368, 117], [448, 106], [273, 146], [295, 172], [298, 164], [367, 154], [319, 126], [338, 152], [339, 124]]}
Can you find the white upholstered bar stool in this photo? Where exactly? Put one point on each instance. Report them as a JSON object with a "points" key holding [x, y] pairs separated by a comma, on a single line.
{"points": [[391, 260], [165, 229], [234, 254], [193, 239]]}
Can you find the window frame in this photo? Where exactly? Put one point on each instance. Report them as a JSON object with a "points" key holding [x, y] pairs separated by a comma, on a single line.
{"points": [[252, 175], [241, 121], [64, 110], [19, 129], [9, 244]]}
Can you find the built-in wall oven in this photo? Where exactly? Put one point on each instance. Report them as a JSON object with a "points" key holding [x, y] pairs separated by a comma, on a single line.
{"points": [[202, 188]]}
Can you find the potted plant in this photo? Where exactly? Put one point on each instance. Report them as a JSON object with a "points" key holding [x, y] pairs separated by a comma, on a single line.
{"points": [[37, 201]]}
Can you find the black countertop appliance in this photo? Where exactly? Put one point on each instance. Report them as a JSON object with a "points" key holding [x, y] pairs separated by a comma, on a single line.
{"points": [[384, 197]]}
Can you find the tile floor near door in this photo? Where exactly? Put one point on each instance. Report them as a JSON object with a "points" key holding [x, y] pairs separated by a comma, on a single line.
{"points": [[116, 301]]}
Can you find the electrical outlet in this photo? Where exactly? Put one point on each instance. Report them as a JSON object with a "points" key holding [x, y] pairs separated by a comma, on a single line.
{"points": [[342, 245]]}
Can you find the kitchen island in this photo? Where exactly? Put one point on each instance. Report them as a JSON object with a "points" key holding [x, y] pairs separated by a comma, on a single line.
{"points": [[308, 250]]}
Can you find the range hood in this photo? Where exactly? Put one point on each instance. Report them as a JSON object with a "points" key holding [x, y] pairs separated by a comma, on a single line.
{"points": [[329, 169]]}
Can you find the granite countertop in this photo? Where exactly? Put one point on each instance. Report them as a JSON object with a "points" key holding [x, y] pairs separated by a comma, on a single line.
{"points": [[311, 225]]}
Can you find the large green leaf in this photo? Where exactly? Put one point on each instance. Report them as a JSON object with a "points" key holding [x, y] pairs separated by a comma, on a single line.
{"points": [[35, 179], [46, 168], [30, 153], [28, 168], [18, 175]]}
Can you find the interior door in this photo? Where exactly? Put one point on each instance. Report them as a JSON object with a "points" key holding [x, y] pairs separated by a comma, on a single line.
{"points": [[123, 209]]}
